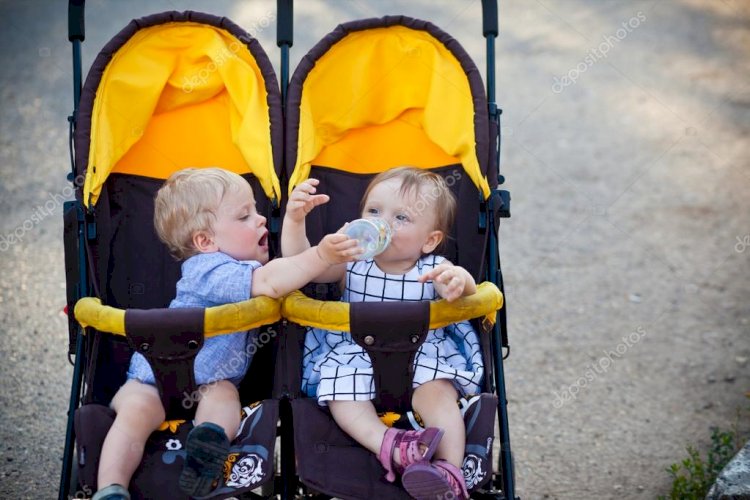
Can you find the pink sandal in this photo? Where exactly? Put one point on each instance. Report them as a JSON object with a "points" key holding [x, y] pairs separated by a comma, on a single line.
{"points": [[408, 443], [429, 481]]}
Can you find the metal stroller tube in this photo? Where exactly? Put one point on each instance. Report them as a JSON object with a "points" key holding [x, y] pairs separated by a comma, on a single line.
{"points": [[76, 35]]}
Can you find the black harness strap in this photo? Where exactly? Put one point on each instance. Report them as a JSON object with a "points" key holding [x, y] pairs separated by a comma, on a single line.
{"points": [[391, 333], [170, 340]]}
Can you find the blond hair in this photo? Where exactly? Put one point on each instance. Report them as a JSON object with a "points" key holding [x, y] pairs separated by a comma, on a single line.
{"points": [[428, 186], [188, 202]]}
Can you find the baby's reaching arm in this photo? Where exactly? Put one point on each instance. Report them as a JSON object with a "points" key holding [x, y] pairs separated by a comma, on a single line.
{"points": [[283, 275], [301, 202], [450, 281], [294, 237]]}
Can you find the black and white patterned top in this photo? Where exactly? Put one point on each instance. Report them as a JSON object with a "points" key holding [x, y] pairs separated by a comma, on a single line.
{"points": [[337, 368]]}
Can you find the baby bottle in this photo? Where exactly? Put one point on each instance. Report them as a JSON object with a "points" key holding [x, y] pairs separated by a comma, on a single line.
{"points": [[373, 235]]}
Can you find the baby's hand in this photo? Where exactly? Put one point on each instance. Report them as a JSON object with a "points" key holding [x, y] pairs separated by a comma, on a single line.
{"points": [[450, 282], [303, 199], [338, 248]]}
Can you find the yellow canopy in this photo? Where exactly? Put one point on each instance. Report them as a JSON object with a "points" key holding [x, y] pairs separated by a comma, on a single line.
{"points": [[386, 97], [180, 95]]}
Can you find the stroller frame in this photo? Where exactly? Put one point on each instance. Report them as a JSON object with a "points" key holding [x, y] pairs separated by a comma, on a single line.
{"points": [[495, 207]]}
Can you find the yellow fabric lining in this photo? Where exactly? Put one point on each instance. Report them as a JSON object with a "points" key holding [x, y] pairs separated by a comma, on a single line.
{"points": [[374, 78], [218, 320], [196, 135], [389, 418], [377, 148], [168, 87], [485, 303]]}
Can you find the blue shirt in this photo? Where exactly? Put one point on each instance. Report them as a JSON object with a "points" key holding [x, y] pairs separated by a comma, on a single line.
{"points": [[211, 279]]}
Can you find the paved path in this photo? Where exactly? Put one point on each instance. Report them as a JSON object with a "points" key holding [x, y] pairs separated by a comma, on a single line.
{"points": [[627, 137]]}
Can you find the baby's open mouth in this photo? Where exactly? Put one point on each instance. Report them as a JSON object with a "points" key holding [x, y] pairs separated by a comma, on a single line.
{"points": [[263, 241]]}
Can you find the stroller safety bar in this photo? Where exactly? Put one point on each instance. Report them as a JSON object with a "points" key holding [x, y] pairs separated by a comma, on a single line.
{"points": [[218, 320], [305, 311]]}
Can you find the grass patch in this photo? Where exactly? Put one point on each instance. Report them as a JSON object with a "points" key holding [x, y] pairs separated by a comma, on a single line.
{"points": [[694, 475]]}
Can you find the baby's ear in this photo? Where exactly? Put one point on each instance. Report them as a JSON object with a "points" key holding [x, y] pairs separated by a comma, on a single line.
{"points": [[432, 241], [204, 242]]}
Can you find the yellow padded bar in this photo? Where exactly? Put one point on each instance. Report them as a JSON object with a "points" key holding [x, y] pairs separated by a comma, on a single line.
{"points": [[218, 320], [90, 312], [328, 315], [303, 310], [298, 308], [239, 316]]}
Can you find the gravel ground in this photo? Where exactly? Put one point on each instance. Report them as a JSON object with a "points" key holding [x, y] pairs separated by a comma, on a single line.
{"points": [[626, 146]]}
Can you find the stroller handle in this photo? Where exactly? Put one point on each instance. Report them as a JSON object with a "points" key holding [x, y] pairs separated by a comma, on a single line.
{"points": [[76, 20], [489, 17], [485, 303], [285, 23], [217, 320]]}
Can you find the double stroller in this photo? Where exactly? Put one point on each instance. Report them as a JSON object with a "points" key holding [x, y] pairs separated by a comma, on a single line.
{"points": [[176, 90]]}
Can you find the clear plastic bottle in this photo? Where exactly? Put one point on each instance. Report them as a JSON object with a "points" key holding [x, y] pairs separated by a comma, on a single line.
{"points": [[373, 235]]}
